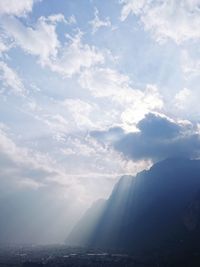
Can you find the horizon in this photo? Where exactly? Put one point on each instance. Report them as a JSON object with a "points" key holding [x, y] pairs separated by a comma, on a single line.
{"points": [[90, 91]]}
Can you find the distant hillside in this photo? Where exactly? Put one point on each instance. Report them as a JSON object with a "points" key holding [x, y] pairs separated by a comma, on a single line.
{"points": [[158, 210], [87, 225]]}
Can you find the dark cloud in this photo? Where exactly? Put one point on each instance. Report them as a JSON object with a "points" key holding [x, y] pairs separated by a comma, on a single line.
{"points": [[158, 127], [158, 138], [111, 134]]}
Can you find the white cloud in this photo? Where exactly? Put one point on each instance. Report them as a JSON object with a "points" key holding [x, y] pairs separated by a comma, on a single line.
{"points": [[131, 6], [24, 169], [40, 40], [106, 82], [19, 155], [190, 66], [71, 20], [5, 42], [17, 165], [25, 172], [10, 79], [18, 8], [3, 46], [149, 100], [65, 117], [186, 103], [97, 23], [56, 123], [80, 112], [70, 145], [175, 20], [60, 18], [98, 160], [181, 98], [75, 56], [129, 104], [28, 183]]}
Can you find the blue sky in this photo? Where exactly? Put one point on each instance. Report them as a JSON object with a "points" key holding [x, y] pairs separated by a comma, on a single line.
{"points": [[77, 81]]}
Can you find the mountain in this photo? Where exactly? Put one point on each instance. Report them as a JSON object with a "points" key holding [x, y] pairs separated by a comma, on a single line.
{"points": [[80, 234], [157, 210]]}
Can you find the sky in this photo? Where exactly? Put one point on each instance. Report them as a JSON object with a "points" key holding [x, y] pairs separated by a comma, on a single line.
{"points": [[90, 90]]}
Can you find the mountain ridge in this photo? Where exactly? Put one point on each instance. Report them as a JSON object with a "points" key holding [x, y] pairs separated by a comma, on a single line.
{"points": [[150, 210]]}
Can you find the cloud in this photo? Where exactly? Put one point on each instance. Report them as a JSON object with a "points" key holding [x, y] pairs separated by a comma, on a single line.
{"points": [[96, 159], [25, 170], [40, 40], [190, 64], [3, 46], [111, 135], [158, 137], [181, 98], [61, 18], [97, 23], [39, 189], [75, 56], [39, 181], [10, 79], [155, 127], [106, 82], [131, 6], [32, 198], [129, 104], [72, 115], [175, 20], [81, 112], [12, 7], [33, 189], [19, 166]]}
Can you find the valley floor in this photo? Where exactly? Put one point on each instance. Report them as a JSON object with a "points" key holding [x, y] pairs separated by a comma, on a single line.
{"points": [[62, 256]]}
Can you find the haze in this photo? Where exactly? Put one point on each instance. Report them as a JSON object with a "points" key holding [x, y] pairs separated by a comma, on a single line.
{"points": [[90, 91]]}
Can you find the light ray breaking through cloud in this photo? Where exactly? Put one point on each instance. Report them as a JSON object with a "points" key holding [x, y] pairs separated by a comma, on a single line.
{"points": [[86, 89]]}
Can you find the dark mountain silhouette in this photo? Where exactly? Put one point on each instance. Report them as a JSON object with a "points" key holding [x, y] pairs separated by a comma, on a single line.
{"points": [[157, 210]]}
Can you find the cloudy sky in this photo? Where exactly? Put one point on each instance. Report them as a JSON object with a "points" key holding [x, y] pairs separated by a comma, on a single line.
{"points": [[90, 90]]}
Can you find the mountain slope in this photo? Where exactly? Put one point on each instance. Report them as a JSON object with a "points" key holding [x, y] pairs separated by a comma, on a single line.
{"points": [[157, 209], [80, 234]]}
